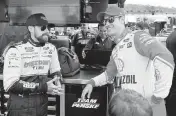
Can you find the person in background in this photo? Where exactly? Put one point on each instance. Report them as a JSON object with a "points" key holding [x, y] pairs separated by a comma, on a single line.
{"points": [[100, 42], [127, 102], [79, 37], [27, 68], [77, 29], [70, 33], [52, 31], [165, 29], [138, 62], [142, 26], [171, 99]]}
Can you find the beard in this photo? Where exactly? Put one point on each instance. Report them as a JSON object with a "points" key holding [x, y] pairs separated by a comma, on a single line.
{"points": [[43, 38]]}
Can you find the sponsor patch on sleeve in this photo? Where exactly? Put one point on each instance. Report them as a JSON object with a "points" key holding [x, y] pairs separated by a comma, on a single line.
{"points": [[146, 39]]}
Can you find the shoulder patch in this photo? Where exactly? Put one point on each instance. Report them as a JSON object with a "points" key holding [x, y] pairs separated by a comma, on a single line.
{"points": [[144, 38]]}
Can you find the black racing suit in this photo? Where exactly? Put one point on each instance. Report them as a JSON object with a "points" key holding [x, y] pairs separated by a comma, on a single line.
{"points": [[27, 67]]}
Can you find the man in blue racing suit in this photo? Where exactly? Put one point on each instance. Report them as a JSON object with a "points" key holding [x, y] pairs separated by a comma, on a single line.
{"points": [[138, 61], [27, 68]]}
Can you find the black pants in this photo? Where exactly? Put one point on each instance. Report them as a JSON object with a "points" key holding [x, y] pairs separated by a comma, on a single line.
{"points": [[29, 105]]}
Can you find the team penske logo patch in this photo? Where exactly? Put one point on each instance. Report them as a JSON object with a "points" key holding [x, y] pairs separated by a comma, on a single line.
{"points": [[87, 103]]}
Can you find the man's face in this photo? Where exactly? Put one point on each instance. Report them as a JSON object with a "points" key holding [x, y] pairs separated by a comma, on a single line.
{"points": [[103, 32], [113, 25], [69, 31], [41, 33]]}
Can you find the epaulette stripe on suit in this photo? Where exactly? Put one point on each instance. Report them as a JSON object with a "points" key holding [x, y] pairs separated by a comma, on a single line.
{"points": [[17, 43]]}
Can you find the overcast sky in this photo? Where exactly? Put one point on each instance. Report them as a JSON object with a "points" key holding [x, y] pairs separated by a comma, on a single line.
{"points": [[165, 3]]}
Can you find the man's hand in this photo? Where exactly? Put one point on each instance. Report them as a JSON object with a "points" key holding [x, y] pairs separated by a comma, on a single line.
{"points": [[83, 54], [87, 91], [58, 80], [54, 89]]}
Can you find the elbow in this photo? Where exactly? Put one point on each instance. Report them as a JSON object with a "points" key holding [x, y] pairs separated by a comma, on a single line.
{"points": [[8, 84], [6, 87]]}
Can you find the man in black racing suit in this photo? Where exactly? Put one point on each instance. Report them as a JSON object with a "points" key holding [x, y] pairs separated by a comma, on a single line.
{"points": [[27, 68]]}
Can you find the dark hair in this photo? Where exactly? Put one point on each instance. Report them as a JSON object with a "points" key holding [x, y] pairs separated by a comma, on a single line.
{"points": [[51, 25], [100, 25], [128, 102]]}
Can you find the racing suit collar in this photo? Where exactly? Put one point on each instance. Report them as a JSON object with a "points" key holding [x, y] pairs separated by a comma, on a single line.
{"points": [[36, 44], [124, 33]]}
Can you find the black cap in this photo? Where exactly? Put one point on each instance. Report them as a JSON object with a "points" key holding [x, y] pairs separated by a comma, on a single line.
{"points": [[37, 19]]}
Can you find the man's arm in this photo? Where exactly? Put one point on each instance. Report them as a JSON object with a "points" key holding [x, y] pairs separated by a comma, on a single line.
{"points": [[12, 72], [107, 76], [162, 59], [88, 46], [55, 65], [102, 79]]}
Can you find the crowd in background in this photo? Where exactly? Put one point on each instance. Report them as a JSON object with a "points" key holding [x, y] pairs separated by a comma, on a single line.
{"points": [[167, 23]]}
